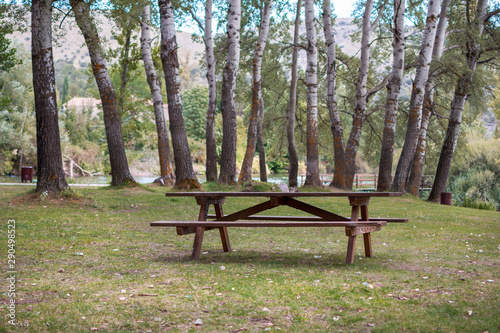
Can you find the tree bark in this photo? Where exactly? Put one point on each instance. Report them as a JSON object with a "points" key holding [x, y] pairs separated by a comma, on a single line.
{"points": [[413, 186], [125, 61], [51, 177], [312, 159], [246, 167], [352, 144], [391, 106], [211, 166], [166, 170], [416, 100], [338, 180], [228, 155], [118, 160], [260, 144], [184, 173], [292, 106], [472, 54]]}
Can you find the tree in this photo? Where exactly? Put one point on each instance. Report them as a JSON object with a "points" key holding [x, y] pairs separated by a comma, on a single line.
{"points": [[166, 170], [184, 173], [292, 105], [211, 166], [228, 155], [7, 54], [391, 106], [50, 171], [118, 160], [246, 168], [312, 160], [472, 51], [362, 93], [338, 180], [413, 185], [417, 97]]}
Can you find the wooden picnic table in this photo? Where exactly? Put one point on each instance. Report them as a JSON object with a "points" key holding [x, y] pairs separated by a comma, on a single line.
{"points": [[358, 223]]}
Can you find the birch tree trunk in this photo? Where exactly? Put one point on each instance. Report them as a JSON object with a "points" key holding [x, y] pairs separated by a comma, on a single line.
{"points": [[51, 177], [312, 159], [184, 173], [292, 105], [118, 160], [391, 106], [413, 186], [166, 170], [211, 166], [352, 144], [331, 100], [228, 155], [472, 54], [260, 144], [246, 167], [417, 97]]}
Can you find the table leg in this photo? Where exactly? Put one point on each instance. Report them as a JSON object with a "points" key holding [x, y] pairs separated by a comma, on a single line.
{"points": [[198, 239], [350, 249], [351, 243], [226, 246], [366, 237]]}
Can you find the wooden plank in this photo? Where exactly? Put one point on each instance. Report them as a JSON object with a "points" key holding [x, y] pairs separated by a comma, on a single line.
{"points": [[267, 224], [351, 244], [243, 214], [283, 194], [308, 218], [198, 240], [326, 215]]}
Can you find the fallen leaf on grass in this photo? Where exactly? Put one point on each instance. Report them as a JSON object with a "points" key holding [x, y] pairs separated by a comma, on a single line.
{"points": [[469, 313], [152, 295], [198, 322]]}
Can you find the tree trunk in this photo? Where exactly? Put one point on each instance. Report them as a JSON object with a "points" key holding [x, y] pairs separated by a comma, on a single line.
{"points": [[472, 54], [391, 106], [125, 61], [211, 167], [361, 94], [166, 170], [260, 145], [184, 173], [413, 186], [49, 159], [228, 155], [417, 96], [118, 159], [246, 167], [292, 105], [331, 100], [312, 162]]}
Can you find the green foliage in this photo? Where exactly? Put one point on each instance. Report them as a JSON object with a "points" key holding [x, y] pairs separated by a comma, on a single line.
{"points": [[194, 108], [475, 174]]}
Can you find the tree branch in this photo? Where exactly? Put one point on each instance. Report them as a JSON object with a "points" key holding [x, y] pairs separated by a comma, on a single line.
{"points": [[379, 86], [380, 13], [491, 14]]}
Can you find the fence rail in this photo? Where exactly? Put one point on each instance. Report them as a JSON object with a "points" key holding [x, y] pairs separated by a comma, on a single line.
{"points": [[366, 181]]}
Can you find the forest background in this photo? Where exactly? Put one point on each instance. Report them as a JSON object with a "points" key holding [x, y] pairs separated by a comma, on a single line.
{"points": [[475, 173]]}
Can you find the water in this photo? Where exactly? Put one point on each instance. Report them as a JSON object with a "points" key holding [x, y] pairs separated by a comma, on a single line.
{"points": [[103, 180]]}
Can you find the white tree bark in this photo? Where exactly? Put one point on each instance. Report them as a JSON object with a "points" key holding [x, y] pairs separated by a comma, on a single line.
{"points": [[228, 154], [292, 105], [413, 186], [184, 173], [331, 99], [246, 168], [472, 54], [166, 170], [211, 165], [391, 106], [352, 144], [417, 97], [312, 161]]}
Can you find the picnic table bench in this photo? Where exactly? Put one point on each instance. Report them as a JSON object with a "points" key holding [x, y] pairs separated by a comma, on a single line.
{"points": [[358, 223]]}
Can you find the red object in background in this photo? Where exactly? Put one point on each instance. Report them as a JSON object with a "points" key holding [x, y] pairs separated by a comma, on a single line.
{"points": [[446, 198], [26, 174]]}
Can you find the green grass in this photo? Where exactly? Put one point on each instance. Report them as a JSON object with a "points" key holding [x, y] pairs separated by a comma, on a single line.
{"points": [[425, 276]]}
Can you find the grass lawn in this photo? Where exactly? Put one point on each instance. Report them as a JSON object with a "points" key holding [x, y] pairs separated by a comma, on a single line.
{"points": [[93, 263]]}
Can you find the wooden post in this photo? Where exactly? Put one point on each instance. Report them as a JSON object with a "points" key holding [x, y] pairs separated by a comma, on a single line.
{"points": [[226, 246]]}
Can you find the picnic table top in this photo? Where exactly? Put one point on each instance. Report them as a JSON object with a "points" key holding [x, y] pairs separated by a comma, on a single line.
{"points": [[283, 194]]}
